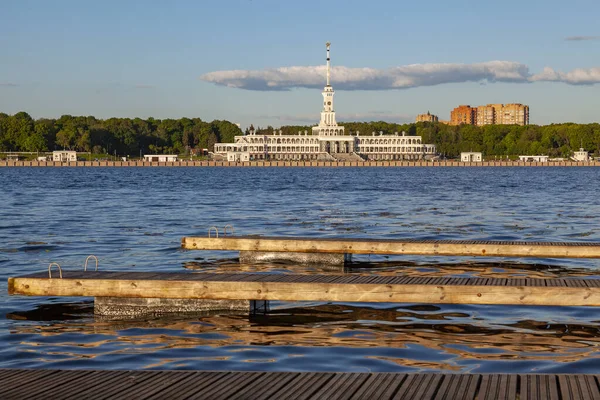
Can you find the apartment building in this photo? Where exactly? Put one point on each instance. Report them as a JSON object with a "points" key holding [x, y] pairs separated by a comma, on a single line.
{"points": [[427, 117], [491, 114], [463, 114], [513, 114]]}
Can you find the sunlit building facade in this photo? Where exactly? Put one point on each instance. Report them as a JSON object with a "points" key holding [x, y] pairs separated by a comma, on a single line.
{"points": [[491, 114], [326, 141], [427, 117]]}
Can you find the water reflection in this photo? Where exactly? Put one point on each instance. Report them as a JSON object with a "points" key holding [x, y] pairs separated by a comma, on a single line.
{"points": [[66, 214], [418, 338], [462, 269]]}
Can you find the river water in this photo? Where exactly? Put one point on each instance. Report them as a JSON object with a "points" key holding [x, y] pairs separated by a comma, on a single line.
{"points": [[133, 220]]}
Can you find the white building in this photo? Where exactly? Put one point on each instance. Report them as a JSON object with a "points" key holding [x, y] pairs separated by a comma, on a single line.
{"points": [[533, 158], [581, 155], [160, 157], [471, 156], [327, 141], [238, 156], [64, 155]]}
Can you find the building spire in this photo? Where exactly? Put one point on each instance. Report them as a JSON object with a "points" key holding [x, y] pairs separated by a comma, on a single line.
{"points": [[328, 66]]}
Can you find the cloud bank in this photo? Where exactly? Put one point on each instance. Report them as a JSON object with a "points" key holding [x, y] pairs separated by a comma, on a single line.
{"points": [[581, 38], [366, 116], [578, 76], [402, 77]]}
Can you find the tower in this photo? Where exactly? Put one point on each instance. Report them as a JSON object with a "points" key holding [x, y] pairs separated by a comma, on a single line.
{"points": [[328, 113], [327, 125]]}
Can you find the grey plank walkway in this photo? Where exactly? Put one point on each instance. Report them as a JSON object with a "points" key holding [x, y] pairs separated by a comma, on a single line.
{"points": [[112, 384]]}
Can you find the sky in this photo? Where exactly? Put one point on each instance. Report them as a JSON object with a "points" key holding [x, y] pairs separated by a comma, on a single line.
{"points": [[262, 62]]}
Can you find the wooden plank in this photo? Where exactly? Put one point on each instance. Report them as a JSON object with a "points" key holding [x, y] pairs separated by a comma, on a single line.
{"points": [[419, 386], [159, 385], [498, 387], [342, 386], [398, 247], [304, 386], [305, 288], [95, 384], [379, 386], [578, 387], [236, 382], [38, 386], [6, 374], [255, 386], [267, 391], [539, 387], [126, 381], [23, 378], [111, 378], [190, 386], [98, 378], [458, 387]]}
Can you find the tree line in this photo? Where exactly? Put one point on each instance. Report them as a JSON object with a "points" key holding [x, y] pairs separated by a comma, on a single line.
{"points": [[130, 136], [555, 140], [124, 136]]}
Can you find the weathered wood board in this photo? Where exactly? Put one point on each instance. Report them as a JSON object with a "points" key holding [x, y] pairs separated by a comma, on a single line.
{"points": [[395, 247], [293, 287]]}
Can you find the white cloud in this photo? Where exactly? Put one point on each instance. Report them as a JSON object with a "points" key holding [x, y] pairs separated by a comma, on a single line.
{"points": [[366, 116], [375, 116], [579, 76], [8, 84], [286, 78], [402, 77]]}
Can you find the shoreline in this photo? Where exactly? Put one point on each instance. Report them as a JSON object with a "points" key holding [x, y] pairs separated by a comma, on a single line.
{"points": [[297, 163]]}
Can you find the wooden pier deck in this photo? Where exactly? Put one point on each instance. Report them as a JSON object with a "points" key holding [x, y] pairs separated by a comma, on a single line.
{"points": [[395, 247], [300, 287], [114, 384]]}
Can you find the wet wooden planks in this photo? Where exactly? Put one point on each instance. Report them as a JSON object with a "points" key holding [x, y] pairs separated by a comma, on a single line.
{"points": [[111, 384], [395, 246], [299, 287]]}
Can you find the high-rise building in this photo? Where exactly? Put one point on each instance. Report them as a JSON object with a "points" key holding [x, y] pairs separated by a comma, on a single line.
{"points": [[486, 115], [491, 114], [427, 117], [513, 114], [463, 114]]}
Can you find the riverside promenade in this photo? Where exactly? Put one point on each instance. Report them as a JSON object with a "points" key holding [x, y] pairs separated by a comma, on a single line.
{"points": [[297, 163]]}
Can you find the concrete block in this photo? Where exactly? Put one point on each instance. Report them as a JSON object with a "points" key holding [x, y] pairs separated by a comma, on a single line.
{"points": [[249, 257], [128, 307]]}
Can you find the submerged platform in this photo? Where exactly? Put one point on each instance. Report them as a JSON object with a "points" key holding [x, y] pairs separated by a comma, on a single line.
{"points": [[95, 384], [300, 287], [394, 246]]}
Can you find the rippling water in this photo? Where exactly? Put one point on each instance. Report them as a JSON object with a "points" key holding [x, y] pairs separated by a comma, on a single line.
{"points": [[133, 220]]}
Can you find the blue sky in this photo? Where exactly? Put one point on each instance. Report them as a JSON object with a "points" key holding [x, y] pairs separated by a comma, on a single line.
{"points": [[165, 59]]}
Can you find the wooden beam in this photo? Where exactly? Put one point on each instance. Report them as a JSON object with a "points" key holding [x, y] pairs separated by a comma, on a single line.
{"points": [[546, 295], [395, 247]]}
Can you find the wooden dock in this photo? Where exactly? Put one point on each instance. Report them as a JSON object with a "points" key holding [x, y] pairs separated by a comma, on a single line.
{"points": [[395, 247], [299, 287], [115, 384]]}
